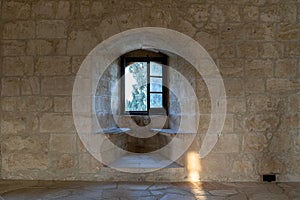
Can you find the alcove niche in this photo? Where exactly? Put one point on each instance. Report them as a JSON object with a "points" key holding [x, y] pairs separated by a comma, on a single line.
{"points": [[120, 128]]}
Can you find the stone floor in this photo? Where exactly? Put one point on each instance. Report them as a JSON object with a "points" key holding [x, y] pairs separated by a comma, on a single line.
{"points": [[34, 190]]}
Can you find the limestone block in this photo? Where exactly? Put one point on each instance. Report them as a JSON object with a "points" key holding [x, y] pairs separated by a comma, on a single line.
{"points": [[129, 20], [65, 162], [159, 18], [55, 122], [34, 143], [289, 13], [250, 13], [259, 31], [51, 29], [54, 65], [13, 47], [262, 122], [11, 124], [215, 166], [9, 103], [254, 143], [107, 27], [88, 164], [282, 85], [259, 68], [232, 13], [294, 103], [208, 41], [64, 10], [198, 12], [292, 49], [285, 68], [271, 165], [231, 67], [271, 13], [234, 87], [84, 9], [63, 143], [76, 62], [46, 47], [217, 14], [291, 121], [228, 143], [281, 143], [243, 167], [30, 85], [263, 103], [10, 86], [44, 9], [62, 104], [34, 104], [297, 145], [15, 10], [81, 42], [236, 105], [270, 50], [288, 31], [19, 30], [230, 33], [25, 161], [255, 85], [98, 9], [18, 66], [247, 50], [227, 51], [57, 85]]}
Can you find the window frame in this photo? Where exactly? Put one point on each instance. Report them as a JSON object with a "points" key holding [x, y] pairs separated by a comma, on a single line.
{"points": [[165, 94]]}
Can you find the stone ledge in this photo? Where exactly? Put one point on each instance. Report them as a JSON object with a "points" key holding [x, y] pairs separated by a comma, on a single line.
{"points": [[114, 131]]}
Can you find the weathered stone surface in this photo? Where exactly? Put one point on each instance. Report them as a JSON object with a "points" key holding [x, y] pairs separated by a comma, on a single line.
{"points": [[247, 50], [263, 103], [285, 68], [13, 124], [228, 143], [15, 10], [13, 47], [88, 164], [55, 122], [254, 143], [65, 162], [62, 104], [44, 9], [19, 30], [271, 50], [259, 68], [81, 42], [30, 86], [18, 66], [51, 29], [25, 161], [231, 67], [57, 85], [25, 144], [10, 86], [234, 87], [261, 122], [63, 143], [251, 13], [46, 47], [34, 104], [54, 65]]}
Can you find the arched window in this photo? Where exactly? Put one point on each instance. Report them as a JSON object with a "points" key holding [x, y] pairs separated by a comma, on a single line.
{"points": [[144, 79]]}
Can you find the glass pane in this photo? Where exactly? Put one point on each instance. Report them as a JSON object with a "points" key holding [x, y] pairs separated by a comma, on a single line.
{"points": [[136, 87], [155, 69], [155, 84], [155, 100]]}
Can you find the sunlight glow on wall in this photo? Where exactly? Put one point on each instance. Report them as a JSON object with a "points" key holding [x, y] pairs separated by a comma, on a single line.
{"points": [[193, 166]]}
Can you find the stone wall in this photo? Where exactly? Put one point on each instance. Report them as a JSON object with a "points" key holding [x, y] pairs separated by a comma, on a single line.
{"points": [[255, 44]]}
